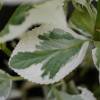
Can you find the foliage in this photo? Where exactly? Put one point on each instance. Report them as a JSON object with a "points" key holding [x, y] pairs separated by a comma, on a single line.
{"points": [[53, 50]]}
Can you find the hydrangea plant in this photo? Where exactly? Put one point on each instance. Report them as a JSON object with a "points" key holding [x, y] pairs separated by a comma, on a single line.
{"points": [[48, 53]]}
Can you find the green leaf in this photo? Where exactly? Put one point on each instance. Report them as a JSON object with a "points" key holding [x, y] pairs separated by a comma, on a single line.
{"points": [[23, 60], [82, 22], [55, 49], [85, 4], [98, 16], [5, 85], [97, 24], [17, 18]]}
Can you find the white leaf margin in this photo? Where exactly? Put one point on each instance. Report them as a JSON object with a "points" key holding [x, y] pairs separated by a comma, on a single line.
{"points": [[33, 73]]}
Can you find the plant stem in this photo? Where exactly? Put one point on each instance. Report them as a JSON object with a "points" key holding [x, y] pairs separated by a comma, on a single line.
{"points": [[45, 90], [5, 49], [71, 87], [56, 94], [16, 78]]}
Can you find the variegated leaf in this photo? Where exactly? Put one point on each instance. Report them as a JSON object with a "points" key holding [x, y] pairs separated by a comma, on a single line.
{"points": [[50, 12], [38, 15], [34, 72]]}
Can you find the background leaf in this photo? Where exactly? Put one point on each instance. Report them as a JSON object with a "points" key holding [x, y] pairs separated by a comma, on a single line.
{"points": [[97, 24], [39, 14], [17, 18], [82, 22], [5, 85]]}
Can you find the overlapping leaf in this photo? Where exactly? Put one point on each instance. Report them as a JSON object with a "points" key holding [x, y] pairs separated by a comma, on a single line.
{"points": [[82, 22], [17, 18], [40, 14]]}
